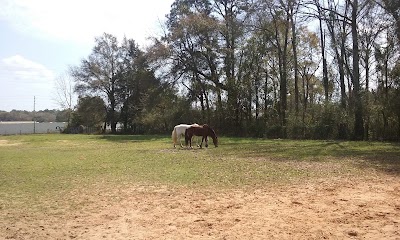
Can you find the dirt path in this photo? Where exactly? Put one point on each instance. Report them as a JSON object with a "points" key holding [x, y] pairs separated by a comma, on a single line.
{"points": [[334, 209]]}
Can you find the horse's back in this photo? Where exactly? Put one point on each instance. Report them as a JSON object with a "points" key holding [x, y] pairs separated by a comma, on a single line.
{"points": [[195, 130], [183, 125], [181, 128]]}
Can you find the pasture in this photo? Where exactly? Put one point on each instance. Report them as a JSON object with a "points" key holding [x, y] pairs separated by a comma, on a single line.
{"points": [[59, 186]]}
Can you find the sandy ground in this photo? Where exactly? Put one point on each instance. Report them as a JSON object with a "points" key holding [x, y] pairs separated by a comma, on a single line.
{"points": [[322, 209]]}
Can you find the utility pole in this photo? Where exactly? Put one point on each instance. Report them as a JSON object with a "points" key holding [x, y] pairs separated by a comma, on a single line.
{"points": [[34, 114]]}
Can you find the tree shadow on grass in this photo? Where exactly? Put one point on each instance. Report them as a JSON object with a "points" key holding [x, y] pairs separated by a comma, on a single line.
{"points": [[133, 138], [388, 162], [381, 156]]}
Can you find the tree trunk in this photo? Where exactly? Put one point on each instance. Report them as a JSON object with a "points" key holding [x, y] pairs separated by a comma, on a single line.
{"points": [[336, 45], [112, 115], [324, 64], [367, 53], [203, 109], [343, 96], [296, 70], [266, 97], [358, 113], [257, 90], [282, 59]]}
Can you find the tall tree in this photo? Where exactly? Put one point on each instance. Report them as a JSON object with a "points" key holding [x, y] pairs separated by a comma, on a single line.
{"points": [[354, 70], [337, 28], [232, 16], [281, 26], [358, 112], [293, 8], [99, 74], [325, 79], [194, 48], [372, 25], [137, 79], [65, 94], [90, 112]]}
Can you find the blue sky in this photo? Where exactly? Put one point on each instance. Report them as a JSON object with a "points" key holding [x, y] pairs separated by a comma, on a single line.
{"points": [[40, 39]]}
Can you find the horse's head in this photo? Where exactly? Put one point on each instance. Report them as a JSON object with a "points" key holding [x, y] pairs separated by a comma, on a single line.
{"points": [[215, 141], [212, 134]]}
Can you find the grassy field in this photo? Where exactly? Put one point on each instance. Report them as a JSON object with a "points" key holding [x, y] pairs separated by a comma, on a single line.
{"points": [[42, 164], [58, 186]]}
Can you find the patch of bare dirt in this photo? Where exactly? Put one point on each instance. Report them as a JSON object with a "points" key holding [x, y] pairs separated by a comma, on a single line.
{"points": [[327, 209], [8, 143]]}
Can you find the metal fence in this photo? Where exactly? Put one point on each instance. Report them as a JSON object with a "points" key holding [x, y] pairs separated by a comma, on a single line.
{"points": [[12, 128]]}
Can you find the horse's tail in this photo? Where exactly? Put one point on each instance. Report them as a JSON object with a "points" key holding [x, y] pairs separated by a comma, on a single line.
{"points": [[174, 137]]}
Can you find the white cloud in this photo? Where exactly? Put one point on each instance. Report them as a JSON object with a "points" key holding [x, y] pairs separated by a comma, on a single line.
{"points": [[25, 69], [81, 21], [22, 80]]}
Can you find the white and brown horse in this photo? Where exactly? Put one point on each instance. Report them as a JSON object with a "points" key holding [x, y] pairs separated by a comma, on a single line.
{"points": [[179, 131]]}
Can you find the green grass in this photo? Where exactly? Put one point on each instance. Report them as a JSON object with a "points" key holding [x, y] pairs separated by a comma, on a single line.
{"points": [[33, 166]]}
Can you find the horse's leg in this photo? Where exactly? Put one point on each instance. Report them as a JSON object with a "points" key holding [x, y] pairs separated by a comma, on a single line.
{"points": [[197, 141], [180, 142], [186, 140], [173, 135], [206, 142]]}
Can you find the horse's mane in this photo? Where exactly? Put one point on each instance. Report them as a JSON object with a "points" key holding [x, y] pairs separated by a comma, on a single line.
{"points": [[210, 129]]}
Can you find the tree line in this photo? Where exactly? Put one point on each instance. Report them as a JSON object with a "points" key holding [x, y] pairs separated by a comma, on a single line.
{"points": [[306, 69], [38, 116]]}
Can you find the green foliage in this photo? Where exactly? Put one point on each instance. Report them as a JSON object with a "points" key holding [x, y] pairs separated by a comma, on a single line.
{"points": [[162, 114], [325, 122], [90, 112]]}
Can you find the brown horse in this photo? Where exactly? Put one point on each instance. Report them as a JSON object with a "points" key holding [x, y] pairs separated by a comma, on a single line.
{"points": [[202, 130]]}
